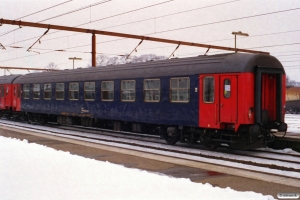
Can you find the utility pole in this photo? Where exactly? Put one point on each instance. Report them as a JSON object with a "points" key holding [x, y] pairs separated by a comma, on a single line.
{"points": [[74, 60]]}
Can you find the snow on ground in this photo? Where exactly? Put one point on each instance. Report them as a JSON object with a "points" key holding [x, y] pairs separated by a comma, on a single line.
{"points": [[32, 171], [293, 122]]}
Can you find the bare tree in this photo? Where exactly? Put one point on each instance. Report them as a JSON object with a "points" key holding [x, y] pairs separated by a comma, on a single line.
{"points": [[103, 60], [51, 66]]}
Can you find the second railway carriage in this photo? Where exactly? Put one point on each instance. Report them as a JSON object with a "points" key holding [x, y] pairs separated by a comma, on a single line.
{"points": [[9, 95], [236, 99], [293, 99]]}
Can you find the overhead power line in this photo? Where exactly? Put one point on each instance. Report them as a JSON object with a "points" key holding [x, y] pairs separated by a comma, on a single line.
{"points": [[291, 61], [134, 10], [66, 50], [100, 19], [44, 9], [276, 45], [76, 10], [34, 14], [228, 20], [288, 55], [176, 13]]}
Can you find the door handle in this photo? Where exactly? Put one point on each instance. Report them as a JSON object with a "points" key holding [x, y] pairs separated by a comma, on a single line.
{"points": [[222, 105]]}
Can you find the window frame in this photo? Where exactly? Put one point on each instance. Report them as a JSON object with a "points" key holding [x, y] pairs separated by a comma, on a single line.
{"points": [[126, 90], [93, 91], [102, 90], [227, 90], [48, 91], [74, 99], [152, 89], [33, 92], [63, 92], [26, 91], [178, 89], [204, 90]]}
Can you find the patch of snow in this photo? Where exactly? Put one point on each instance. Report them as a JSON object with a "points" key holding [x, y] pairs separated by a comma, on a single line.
{"points": [[293, 122], [32, 171]]}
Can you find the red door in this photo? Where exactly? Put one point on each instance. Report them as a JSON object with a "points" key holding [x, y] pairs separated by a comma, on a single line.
{"points": [[2, 102], [14, 97], [18, 98], [209, 101], [228, 99], [268, 97]]}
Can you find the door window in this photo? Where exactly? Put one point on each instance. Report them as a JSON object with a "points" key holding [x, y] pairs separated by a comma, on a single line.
{"points": [[227, 88], [208, 89]]}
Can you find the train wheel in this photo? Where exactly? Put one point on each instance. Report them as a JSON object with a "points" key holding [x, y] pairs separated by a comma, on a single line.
{"points": [[210, 144], [172, 139]]}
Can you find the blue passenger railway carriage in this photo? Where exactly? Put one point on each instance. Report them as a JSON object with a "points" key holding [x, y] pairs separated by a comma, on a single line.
{"points": [[230, 98]]}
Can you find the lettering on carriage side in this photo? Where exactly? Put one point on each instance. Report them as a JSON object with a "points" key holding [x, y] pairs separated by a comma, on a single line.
{"points": [[84, 110], [75, 114]]}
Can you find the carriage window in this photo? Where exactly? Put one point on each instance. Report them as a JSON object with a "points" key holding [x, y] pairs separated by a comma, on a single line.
{"points": [[152, 90], [60, 91], [227, 88], [180, 89], [26, 91], [47, 91], [73, 91], [2, 90], [36, 91], [128, 90], [208, 89], [89, 91], [107, 90]]}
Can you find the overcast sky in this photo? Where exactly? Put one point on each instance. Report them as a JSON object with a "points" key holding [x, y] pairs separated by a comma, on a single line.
{"points": [[273, 26]]}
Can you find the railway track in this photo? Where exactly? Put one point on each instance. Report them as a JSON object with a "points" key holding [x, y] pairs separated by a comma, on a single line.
{"points": [[279, 164]]}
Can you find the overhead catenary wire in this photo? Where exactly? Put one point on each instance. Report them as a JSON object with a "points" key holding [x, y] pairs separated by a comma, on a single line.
{"points": [[140, 20], [276, 45], [169, 46], [44, 9], [76, 10], [112, 16], [134, 10], [117, 54], [34, 14], [176, 13], [82, 8], [228, 20]]}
